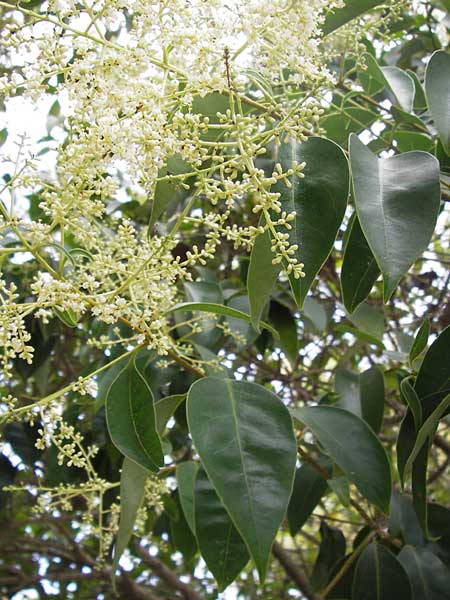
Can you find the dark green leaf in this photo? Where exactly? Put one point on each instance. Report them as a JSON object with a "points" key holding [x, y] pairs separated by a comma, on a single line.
{"points": [[332, 549], [286, 325], [359, 267], [433, 378], [420, 101], [130, 416], [428, 576], [340, 486], [412, 399], [354, 447], [309, 487], [186, 473], [243, 434], [362, 394], [403, 522], [380, 576], [220, 544], [397, 200], [181, 535], [261, 277], [132, 487], [437, 87], [319, 201], [420, 340]]}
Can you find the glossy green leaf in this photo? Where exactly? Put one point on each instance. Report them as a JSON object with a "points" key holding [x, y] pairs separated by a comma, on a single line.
{"points": [[380, 576], [397, 200], [207, 292], [165, 408], [351, 10], [314, 314], [244, 436], [3, 136], [243, 330], [332, 549], [437, 87], [132, 487], [359, 267], [397, 82], [412, 399], [219, 309], [338, 124], [261, 277], [220, 544], [362, 394], [319, 200], [354, 447], [420, 341], [428, 576], [130, 416], [309, 487], [186, 473]]}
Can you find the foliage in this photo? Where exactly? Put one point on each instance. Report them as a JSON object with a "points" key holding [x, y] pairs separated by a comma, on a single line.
{"points": [[224, 317]]}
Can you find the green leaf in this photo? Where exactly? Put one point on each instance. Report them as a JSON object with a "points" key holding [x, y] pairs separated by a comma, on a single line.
{"points": [[319, 201], [427, 431], [359, 267], [165, 408], [209, 292], [437, 87], [398, 82], [380, 576], [314, 314], [286, 325], [261, 277], [130, 416], [354, 447], [397, 200], [403, 522], [369, 319], [219, 309], [132, 487], [68, 317], [169, 190], [420, 101], [351, 10], [349, 119], [412, 399], [220, 544], [332, 549], [186, 473], [181, 535], [433, 378], [341, 488], [244, 330], [244, 437], [309, 487], [428, 576], [362, 394], [420, 341]]}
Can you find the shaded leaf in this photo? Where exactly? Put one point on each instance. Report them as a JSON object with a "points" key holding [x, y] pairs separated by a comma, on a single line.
{"points": [[359, 267], [220, 544], [437, 87], [309, 487], [332, 549], [380, 576], [186, 473], [428, 576], [354, 447], [420, 341]]}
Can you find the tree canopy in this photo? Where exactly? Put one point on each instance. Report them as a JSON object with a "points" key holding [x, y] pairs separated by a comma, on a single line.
{"points": [[224, 309]]}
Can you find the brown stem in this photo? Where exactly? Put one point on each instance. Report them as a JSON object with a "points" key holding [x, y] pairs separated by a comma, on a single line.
{"points": [[292, 570]]}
